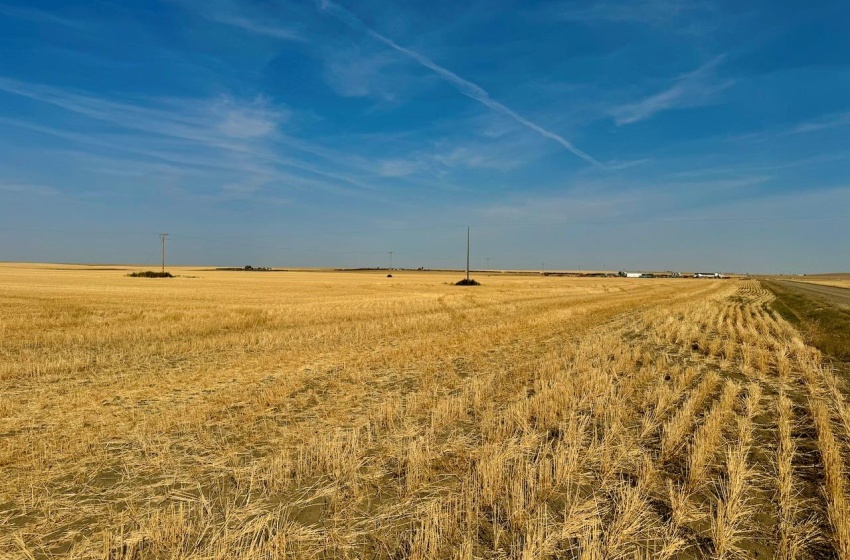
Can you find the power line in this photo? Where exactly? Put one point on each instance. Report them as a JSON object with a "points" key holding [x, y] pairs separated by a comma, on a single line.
{"points": [[467, 254], [162, 237]]}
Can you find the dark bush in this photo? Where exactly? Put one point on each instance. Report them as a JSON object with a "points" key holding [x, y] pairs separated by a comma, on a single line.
{"points": [[151, 274], [467, 282]]}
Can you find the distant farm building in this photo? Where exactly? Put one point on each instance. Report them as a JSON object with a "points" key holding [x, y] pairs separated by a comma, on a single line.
{"points": [[668, 274]]}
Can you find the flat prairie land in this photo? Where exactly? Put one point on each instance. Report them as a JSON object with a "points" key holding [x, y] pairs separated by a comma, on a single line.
{"points": [[349, 415], [830, 292], [837, 280]]}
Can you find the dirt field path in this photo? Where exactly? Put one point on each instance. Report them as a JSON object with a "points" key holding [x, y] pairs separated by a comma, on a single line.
{"points": [[833, 294]]}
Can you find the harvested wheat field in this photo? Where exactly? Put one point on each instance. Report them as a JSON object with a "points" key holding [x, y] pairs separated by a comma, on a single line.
{"points": [[836, 281], [349, 415]]}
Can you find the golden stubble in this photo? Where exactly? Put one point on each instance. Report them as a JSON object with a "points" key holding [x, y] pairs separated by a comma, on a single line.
{"points": [[349, 415]]}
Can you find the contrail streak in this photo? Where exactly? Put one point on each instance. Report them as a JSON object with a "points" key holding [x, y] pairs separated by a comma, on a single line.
{"points": [[471, 90]]}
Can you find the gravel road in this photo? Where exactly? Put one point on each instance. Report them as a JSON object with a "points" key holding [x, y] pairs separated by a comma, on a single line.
{"points": [[833, 294]]}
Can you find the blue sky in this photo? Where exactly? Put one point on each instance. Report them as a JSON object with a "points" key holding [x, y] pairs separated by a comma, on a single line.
{"points": [[647, 134]]}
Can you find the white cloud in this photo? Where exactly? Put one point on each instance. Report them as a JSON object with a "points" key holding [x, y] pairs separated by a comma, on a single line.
{"points": [[356, 73], [225, 133], [254, 119], [715, 185], [619, 165], [257, 27], [652, 12], [681, 17], [579, 205], [825, 122], [720, 169], [467, 88], [200, 120], [249, 17], [479, 156], [28, 189], [693, 89], [38, 16], [398, 167], [831, 121]]}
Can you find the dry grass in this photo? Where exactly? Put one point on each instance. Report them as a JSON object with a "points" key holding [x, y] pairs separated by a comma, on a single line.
{"points": [[794, 527], [836, 282], [833, 458], [349, 415]]}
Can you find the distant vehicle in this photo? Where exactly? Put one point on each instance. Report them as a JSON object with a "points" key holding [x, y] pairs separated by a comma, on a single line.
{"points": [[624, 274], [708, 275]]}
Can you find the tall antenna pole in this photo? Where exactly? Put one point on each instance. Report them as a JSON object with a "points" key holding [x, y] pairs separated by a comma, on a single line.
{"points": [[488, 262], [162, 237], [467, 253], [391, 258]]}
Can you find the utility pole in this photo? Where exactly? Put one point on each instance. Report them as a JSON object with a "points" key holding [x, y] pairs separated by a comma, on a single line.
{"points": [[467, 253], [488, 262], [544, 268], [162, 237], [391, 258]]}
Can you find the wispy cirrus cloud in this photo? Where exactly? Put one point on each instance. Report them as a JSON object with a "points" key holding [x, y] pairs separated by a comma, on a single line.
{"points": [[824, 123], [692, 89], [226, 133], [399, 167], [223, 132], [467, 156], [191, 119], [580, 205], [249, 17], [257, 27], [693, 18], [256, 118], [27, 189], [359, 73], [633, 198], [720, 169], [467, 88], [653, 12], [442, 161], [473, 155], [38, 16], [620, 165], [485, 143]]}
